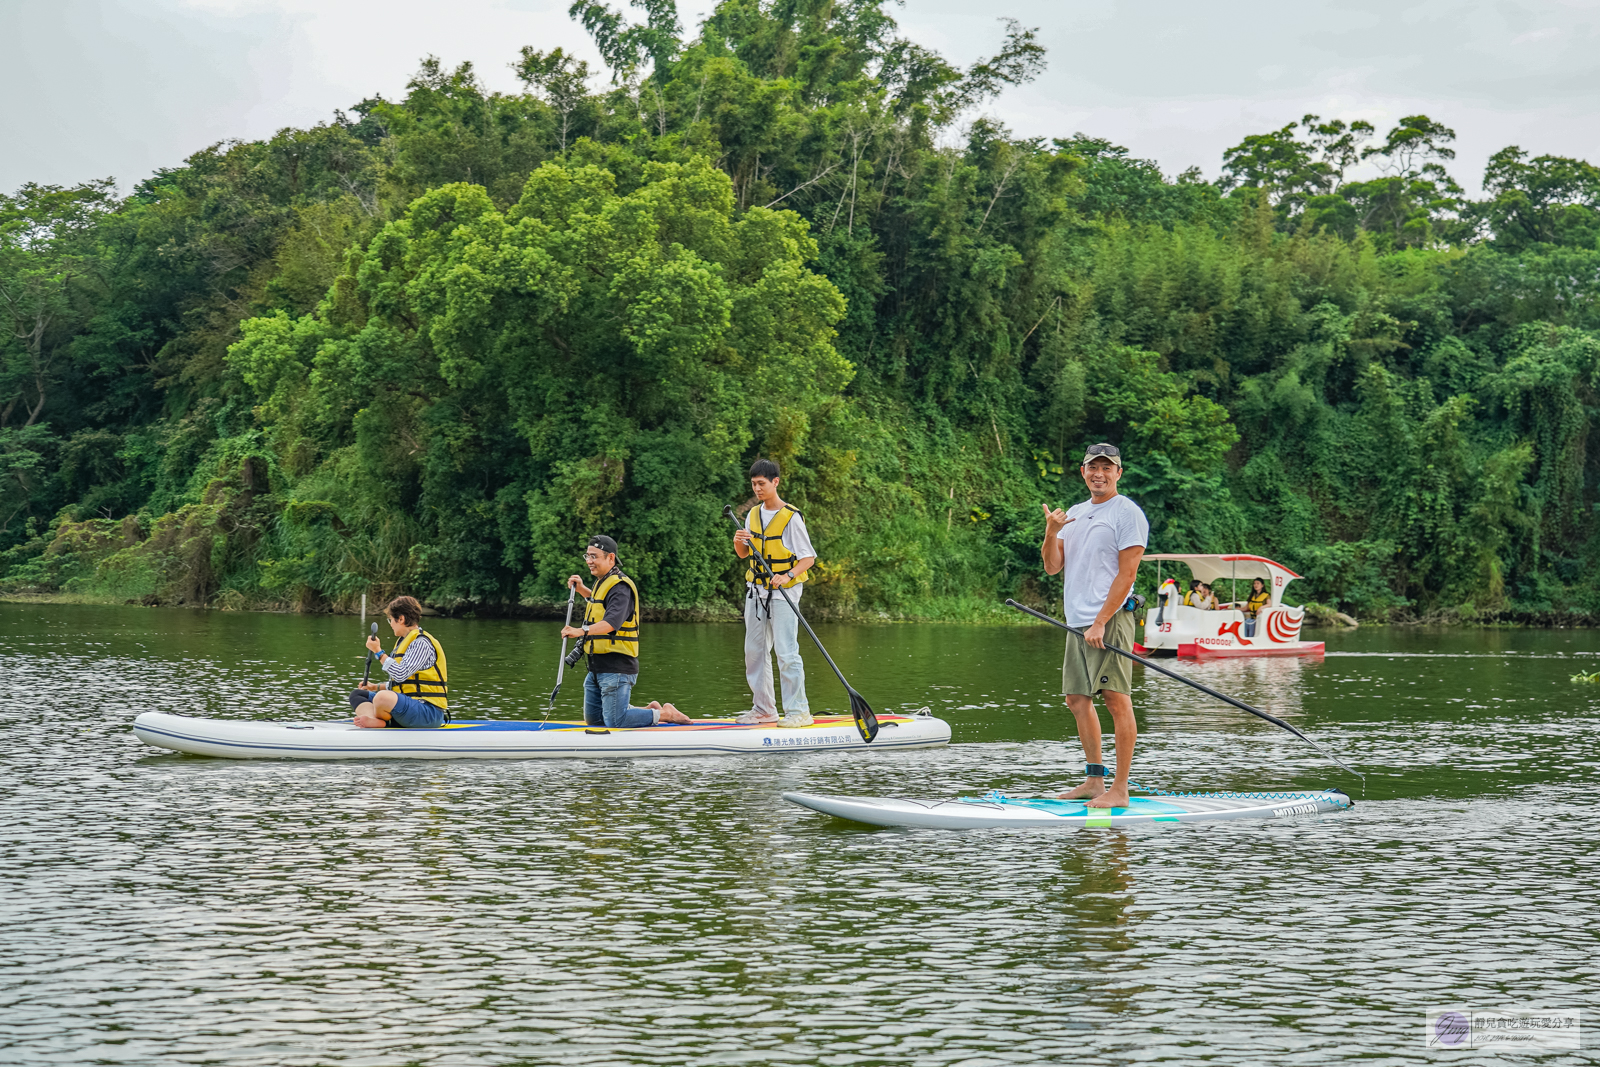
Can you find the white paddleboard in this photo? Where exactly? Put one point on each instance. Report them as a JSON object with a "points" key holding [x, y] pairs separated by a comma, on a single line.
{"points": [[994, 809], [534, 739]]}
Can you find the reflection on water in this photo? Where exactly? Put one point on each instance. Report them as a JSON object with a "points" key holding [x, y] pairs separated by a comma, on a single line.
{"points": [[180, 910]]}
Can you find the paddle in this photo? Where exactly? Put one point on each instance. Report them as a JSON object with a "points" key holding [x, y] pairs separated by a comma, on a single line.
{"points": [[1241, 705], [561, 665], [860, 710], [368, 672]]}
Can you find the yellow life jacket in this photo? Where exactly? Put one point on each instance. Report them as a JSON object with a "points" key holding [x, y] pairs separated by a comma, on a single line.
{"points": [[1189, 598], [431, 683], [1257, 602], [768, 541], [625, 638]]}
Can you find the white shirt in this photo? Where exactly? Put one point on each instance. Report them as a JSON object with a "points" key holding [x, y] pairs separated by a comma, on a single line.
{"points": [[796, 538], [1089, 548]]}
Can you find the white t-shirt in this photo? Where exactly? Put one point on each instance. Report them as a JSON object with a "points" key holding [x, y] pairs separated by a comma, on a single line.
{"points": [[796, 538], [1089, 549]]}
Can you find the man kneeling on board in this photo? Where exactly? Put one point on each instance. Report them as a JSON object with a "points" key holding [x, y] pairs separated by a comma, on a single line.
{"points": [[610, 636], [420, 696], [1095, 546]]}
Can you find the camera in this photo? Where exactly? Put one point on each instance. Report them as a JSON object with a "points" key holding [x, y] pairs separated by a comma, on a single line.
{"points": [[571, 658]]}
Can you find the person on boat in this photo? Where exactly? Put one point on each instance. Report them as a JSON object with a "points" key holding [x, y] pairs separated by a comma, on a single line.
{"points": [[1096, 546], [610, 636], [418, 693], [1259, 598], [1193, 594], [778, 531], [1205, 598]]}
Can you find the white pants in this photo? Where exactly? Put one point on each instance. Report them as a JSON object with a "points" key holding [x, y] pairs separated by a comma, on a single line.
{"points": [[780, 633]]}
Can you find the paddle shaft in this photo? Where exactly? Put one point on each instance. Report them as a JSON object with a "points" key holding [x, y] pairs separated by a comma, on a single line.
{"points": [[1241, 705], [366, 674], [561, 664]]}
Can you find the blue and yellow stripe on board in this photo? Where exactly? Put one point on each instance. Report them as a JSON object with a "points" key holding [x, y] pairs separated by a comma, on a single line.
{"points": [[698, 724], [1159, 810]]}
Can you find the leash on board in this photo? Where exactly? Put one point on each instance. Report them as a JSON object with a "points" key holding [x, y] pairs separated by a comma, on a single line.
{"points": [[1186, 680]]}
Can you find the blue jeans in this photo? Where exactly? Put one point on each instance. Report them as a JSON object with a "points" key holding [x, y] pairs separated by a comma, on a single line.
{"points": [[605, 702], [409, 712]]}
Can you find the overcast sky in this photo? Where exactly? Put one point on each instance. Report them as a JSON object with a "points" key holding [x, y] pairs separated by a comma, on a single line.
{"points": [[120, 87]]}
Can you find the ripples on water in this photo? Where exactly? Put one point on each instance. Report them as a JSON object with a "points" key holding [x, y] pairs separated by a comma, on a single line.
{"points": [[180, 910]]}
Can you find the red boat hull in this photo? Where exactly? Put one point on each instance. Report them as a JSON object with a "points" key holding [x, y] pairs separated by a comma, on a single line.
{"points": [[1299, 648]]}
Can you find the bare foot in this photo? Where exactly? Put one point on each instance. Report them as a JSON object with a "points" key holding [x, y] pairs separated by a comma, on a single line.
{"points": [[367, 722], [1115, 797], [1091, 787], [673, 715]]}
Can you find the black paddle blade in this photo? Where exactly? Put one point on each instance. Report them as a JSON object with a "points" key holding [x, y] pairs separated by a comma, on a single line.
{"points": [[861, 711], [553, 693]]}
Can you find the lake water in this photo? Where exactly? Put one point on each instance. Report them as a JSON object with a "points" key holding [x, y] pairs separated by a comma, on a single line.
{"points": [[170, 909]]}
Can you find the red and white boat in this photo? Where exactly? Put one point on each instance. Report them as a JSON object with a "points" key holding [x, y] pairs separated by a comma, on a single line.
{"points": [[1169, 626]]}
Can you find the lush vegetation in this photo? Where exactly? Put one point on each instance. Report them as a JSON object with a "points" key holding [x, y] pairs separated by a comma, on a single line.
{"points": [[432, 343]]}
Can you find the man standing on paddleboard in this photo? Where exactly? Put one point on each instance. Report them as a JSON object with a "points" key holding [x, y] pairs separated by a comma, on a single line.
{"points": [[1096, 546], [778, 531]]}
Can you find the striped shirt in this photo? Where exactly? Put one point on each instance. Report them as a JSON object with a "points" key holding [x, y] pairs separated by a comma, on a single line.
{"points": [[419, 657]]}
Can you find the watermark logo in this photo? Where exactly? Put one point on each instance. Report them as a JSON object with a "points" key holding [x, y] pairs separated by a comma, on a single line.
{"points": [[1450, 1029], [1503, 1028]]}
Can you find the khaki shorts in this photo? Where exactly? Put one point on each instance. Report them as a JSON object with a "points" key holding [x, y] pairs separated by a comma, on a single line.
{"points": [[1086, 670]]}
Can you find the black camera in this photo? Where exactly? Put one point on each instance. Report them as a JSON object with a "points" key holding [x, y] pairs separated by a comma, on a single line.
{"points": [[571, 658]]}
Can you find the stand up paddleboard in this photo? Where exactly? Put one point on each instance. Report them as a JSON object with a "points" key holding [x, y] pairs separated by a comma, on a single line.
{"points": [[498, 739], [997, 809]]}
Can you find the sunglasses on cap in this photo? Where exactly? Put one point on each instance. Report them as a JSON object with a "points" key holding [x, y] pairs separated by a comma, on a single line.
{"points": [[1103, 451]]}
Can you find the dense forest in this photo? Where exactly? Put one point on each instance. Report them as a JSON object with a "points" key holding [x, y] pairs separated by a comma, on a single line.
{"points": [[432, 343]]}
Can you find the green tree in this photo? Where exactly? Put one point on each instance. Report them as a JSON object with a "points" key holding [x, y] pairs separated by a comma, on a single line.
{"points": [[1548, 200]]}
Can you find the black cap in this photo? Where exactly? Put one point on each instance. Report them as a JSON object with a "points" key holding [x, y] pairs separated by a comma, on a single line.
{"points": [[1105, 451], [603, 543]]}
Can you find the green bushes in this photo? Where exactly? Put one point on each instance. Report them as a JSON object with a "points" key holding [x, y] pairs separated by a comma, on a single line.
{"points": [[429, 346]]}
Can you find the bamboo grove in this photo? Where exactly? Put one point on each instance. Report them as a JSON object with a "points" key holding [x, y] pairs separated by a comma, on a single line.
{"points": [[430, 344]]}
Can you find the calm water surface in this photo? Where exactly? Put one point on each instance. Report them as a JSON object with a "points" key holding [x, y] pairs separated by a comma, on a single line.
{"points": [[171, 909]]}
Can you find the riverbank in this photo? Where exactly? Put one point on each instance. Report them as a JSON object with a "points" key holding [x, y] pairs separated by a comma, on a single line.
{"points": [[952, 610]]}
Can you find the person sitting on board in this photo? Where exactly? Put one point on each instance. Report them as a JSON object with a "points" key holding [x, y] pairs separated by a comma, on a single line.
{"points": [[1193, 594], [1259, 598], [418, 694], [1205, 598], [1095, 546], [610, 636], [778, 531]]}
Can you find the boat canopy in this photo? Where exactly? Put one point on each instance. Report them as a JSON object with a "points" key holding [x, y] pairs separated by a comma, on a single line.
{"points": [[1213, 568]]}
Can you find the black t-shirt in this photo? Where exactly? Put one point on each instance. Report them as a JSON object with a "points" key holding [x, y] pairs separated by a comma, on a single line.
{"points": [[619, 605]]}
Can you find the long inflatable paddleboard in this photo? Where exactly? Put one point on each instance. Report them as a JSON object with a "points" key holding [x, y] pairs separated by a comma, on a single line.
{"points": [[996, 809], [500, 739]]}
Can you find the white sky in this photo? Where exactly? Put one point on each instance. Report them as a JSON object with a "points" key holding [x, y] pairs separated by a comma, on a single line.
{"points": [[121, 87]]}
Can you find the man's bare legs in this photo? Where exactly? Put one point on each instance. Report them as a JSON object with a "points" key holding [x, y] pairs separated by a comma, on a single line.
{"points": [[375, 715], [1089, 734], [1126, 731]]}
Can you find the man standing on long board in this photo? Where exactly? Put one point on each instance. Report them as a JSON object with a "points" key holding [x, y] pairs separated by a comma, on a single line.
{"points": [[1096, 546]]}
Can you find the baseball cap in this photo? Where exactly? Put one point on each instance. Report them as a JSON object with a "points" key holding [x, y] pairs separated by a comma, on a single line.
{"points": [[603, 543], [1105, 451]]}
